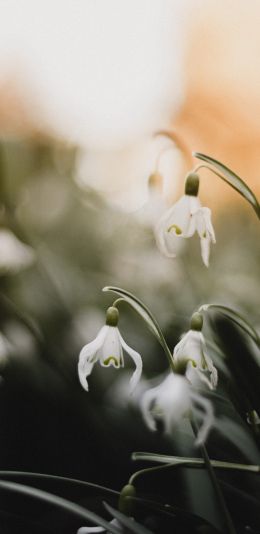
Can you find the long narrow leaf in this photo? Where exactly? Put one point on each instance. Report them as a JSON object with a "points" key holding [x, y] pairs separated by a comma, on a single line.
{"points": [[232, 179], [70, 481], [59, 502], [235, 317]]}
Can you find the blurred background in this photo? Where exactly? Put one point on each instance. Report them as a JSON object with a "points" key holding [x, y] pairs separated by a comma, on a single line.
{"points": [[84, 86]]}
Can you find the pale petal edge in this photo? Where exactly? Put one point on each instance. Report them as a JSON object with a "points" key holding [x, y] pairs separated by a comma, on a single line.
{"points": [[138, 363], [87, 353], [203, 409]]}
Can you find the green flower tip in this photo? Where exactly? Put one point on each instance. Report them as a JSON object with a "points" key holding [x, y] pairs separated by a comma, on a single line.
{"points": [[196, 322], [112, 316], [192, 184], [126, 505]]}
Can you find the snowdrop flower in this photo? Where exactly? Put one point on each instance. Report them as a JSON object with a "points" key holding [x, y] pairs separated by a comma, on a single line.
{"points": [[90, 530], [107, 348], [190, 356], [183, 219], [174, 399]]}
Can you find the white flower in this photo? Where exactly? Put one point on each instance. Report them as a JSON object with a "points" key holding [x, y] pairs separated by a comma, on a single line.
{"points": [[107, 348], [174, 399], [192, 350], [90, 530], [181, 221]]}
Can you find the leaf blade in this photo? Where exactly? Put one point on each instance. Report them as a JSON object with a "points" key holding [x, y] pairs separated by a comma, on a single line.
{"points": [[232, 179]]}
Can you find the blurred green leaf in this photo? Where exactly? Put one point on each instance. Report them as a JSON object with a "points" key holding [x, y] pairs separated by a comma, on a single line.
{"points": [[59, 502], [235, 317], [232, 179]]}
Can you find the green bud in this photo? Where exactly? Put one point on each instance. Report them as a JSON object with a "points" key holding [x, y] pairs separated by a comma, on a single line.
{"points": [[192, 184], [196, 322], [112, 316], [126, 505]]}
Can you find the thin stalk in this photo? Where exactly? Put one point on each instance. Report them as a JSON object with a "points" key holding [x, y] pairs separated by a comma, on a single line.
{"points": [[193, 462], [149, 470], [221, 501]]}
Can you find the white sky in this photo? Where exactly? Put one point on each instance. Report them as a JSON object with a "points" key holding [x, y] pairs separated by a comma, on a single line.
{"points": [[99, 72]]}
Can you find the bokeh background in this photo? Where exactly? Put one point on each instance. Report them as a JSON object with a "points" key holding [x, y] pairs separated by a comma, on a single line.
{"points": [[84, 86]]}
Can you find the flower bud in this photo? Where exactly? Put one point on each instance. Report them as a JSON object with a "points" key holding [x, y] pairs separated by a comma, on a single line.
{"points": [[192, 184], [196, 322], [126, 505], [112, 316]]}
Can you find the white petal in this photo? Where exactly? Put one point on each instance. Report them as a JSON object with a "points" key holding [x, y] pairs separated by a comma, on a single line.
{"points": [[89, 530], [189, 347], [137, 360], [209, 362], [111, 351], [203, 409], [166, 248], [196, 376], [88, 356], [180, 346], [205, 250], [146, 402], [175, 223], [206, 232]]}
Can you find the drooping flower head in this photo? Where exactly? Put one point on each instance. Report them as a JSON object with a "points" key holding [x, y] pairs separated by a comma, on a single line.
{"points": [[183, 219], [107, 349], [174, 399], [190, 355]]}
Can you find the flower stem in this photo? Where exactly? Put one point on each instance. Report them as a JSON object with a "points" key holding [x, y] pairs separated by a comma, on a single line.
{"points": [[149, 470], [230, 529]]}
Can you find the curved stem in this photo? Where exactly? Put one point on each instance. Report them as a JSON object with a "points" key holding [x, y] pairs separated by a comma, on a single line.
{"points": [[59, 502], [150, 470], [179, 143]]}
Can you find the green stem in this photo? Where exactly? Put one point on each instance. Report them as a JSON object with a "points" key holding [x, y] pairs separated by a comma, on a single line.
{"points": [[149, 470], [193, 462], [221, 501]]}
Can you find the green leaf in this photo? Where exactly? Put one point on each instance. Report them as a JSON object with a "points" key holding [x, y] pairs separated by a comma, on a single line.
{"points": [[66, 480], [64, 504], [146, 315], [232, 179], [131, 525], [235, 317]]}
